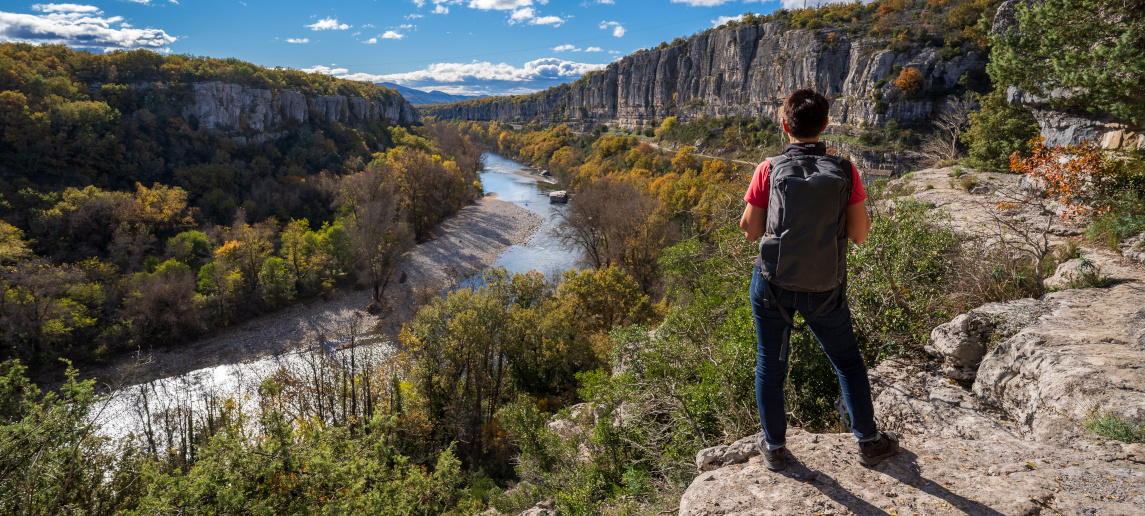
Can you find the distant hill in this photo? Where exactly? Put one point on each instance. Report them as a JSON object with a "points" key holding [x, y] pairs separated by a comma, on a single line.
{"points": [[419, 97]]}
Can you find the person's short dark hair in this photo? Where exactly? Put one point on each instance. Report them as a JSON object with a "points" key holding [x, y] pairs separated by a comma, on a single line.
{"points": [[806, 113]]}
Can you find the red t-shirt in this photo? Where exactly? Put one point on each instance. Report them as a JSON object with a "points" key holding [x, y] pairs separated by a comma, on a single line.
{"points": [[757, 191]]}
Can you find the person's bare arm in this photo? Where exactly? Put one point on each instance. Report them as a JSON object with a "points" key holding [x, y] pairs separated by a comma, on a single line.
{"points": [[858, 222], [752, 222]]}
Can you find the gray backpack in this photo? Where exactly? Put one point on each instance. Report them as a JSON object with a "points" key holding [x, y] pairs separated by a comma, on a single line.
{"points": [[804, 245]]}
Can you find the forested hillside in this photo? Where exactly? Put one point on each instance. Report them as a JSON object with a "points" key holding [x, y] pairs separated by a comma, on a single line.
{"points": [[128, 219]]}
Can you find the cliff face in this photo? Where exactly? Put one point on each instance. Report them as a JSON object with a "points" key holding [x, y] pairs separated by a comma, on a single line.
{"points": [[225, 106], [741, 70]]}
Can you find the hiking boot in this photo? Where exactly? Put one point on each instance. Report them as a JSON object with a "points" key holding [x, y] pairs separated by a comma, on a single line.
{"points": [[775, 460], [873, 452]]}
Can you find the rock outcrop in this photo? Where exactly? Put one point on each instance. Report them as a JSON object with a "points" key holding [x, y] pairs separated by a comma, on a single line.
{"points": [[932, 476], [1086, 353], [230, 107], [958, 458], [736, 70]]}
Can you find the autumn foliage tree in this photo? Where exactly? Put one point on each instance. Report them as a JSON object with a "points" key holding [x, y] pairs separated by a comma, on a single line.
{"points": [[910, 81], [1080, 177]]}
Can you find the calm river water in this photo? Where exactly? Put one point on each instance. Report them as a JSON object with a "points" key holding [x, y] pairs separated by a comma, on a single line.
{"points": [[127, 408]]}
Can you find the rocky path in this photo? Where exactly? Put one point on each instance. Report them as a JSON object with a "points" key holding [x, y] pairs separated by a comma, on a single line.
{"points": [[975, 211], [465, 244]]}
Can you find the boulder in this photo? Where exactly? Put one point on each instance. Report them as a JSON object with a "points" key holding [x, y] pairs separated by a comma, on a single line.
{"points": [[1084, 354], [559, 197], [1075, 272], [964, 341], [961, 344], [735, 453], [545, 508], [1133, 248]]}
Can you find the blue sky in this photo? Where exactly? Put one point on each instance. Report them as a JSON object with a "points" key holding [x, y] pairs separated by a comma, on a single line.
{"points": [[457, 46]]}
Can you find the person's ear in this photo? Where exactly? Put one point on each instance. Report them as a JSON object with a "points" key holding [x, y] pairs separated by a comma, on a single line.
{"points": [[785, 128]]}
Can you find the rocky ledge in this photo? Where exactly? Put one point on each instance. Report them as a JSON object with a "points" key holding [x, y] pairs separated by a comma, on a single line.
{"points": [[1014, 443], [932, 476], [959, 457]]}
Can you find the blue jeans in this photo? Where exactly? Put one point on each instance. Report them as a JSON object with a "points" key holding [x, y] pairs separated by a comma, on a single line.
{"points": [[836, 337]]}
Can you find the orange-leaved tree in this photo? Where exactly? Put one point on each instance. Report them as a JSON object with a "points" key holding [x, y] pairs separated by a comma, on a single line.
{"points": [[1080, 177], [909, 81]]}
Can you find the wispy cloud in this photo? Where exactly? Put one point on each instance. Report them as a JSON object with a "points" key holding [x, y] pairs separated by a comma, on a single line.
{"points": [[298, 40], [478, 78], [325, 69], [389, 34], [703, 3], [565, 48], [65, 8], [327, 24], [79, 26]]}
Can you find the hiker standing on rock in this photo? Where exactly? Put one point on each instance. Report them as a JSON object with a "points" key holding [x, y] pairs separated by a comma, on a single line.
{"points": [[806, 204]]}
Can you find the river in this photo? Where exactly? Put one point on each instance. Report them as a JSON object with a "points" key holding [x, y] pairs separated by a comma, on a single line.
{"points": [[167, 401], [520, 185]]}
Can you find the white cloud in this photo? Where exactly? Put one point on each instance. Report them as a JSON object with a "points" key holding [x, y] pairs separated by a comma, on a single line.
{"points": [[555, 21], [523, 14], [406, 26], [440, 9], [529, 15], [78, 26], [327, 24], [724, 19], [617, 29], [499, 5], [606, 2], [593, 49], [706, 3], [565, 48], [478, 78], [325, 69], [393, 35], [65, 8], [298, 40], [549, 67], [368, 26], [414, 16], [370, 41]]}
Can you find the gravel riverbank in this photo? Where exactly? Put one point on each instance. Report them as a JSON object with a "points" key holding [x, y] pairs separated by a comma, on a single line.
{"points": [[465, 244]]}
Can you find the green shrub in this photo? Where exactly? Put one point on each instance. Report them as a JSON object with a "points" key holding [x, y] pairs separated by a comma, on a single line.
{"points": [[1112, 426], [1125, 219], [996, 131], [899, 278]]}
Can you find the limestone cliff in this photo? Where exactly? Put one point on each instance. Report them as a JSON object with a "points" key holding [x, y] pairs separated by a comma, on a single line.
{"points": [[737, 70], [224, 106]]}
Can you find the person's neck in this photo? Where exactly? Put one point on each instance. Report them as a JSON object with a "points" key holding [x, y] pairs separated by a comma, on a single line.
{"points": [[804, 140]]}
